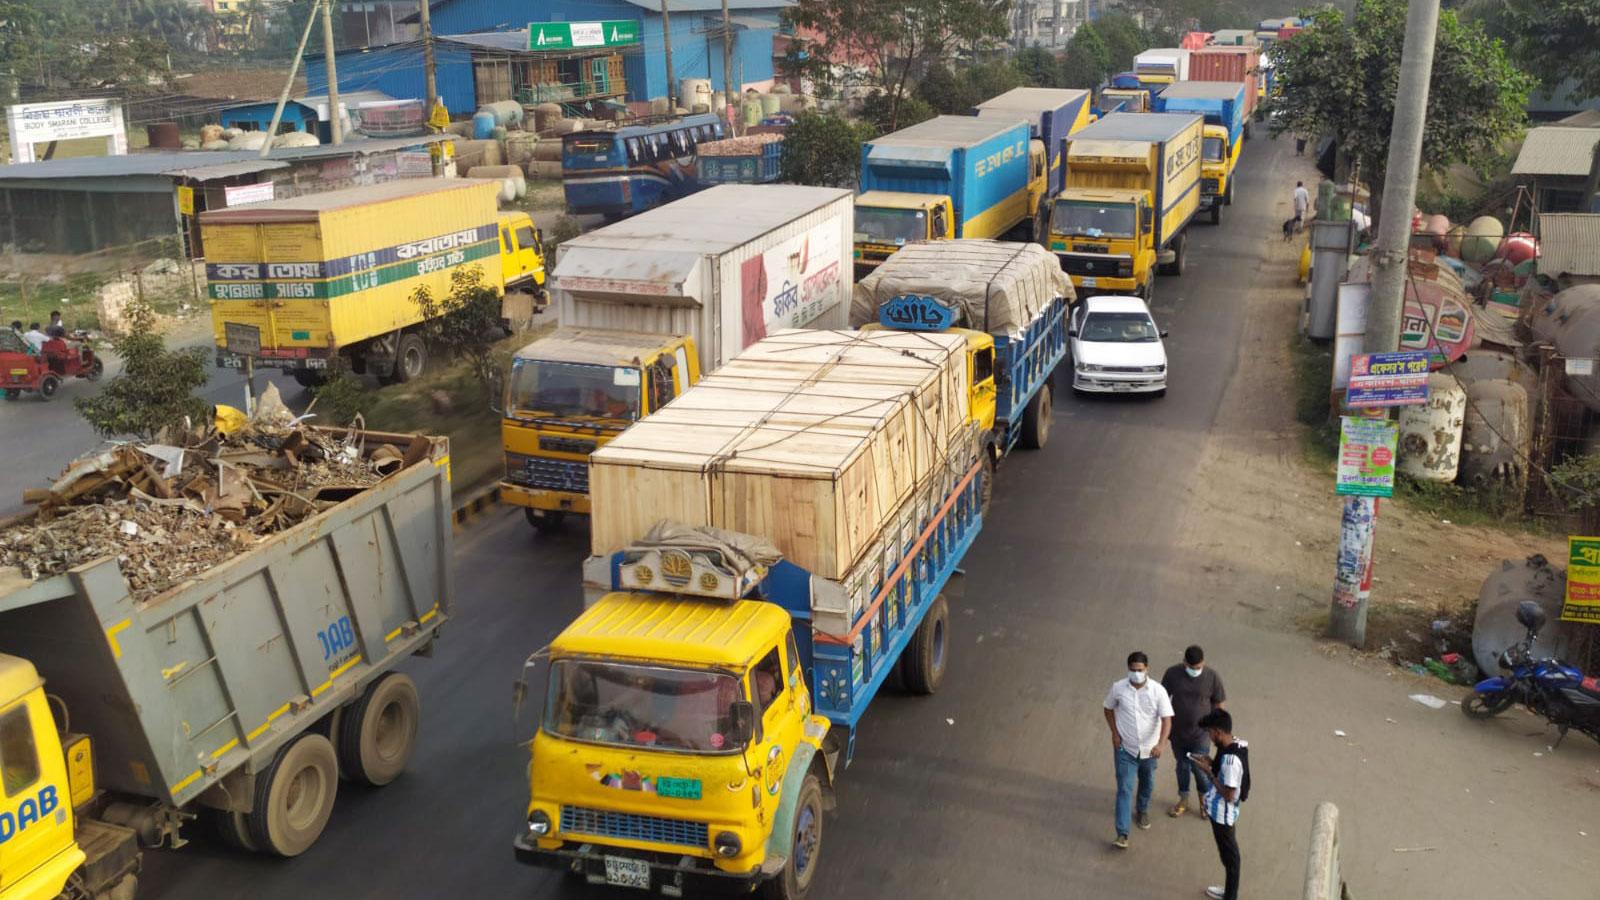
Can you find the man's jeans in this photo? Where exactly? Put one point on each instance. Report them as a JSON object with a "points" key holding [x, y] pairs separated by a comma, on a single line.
{"points": [[1180, 759], [1130, 767]]}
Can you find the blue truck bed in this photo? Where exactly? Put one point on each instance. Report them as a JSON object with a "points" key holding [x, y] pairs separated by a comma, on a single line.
{"points": [[1051, 114], [1218, 102], [977, 163], [1023, 365]]}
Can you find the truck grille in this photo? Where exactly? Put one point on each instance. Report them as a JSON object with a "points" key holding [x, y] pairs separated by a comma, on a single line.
{"points": [[1100, 266], [1210, 185], [565, 444], [548, 474], [657, 830]]}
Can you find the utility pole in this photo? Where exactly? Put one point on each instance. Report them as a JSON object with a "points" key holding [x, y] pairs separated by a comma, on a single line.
{"points": [[1347, 620], [727, 65], [666, 41], [288, 84], [429, 79], [335, 126]]}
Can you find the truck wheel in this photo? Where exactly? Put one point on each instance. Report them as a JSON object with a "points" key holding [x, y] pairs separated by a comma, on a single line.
{"points": [[1227, 196], [925, 656], [378, 732], [308, 379], [986, 490], [1175, 267], [294, 796], [548, 523], [795, 879], [1216, 211], [410, 358], [1036, 419], [48, 385], [232, 829], [1147, 292]]}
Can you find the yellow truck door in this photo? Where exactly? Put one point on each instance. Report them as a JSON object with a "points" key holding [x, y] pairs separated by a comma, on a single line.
{"points": [[35, 811], [521, 256]]}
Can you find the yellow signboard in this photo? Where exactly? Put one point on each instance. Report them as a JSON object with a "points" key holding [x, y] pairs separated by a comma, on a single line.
{"points": [[186, 200], [1582, 603]]}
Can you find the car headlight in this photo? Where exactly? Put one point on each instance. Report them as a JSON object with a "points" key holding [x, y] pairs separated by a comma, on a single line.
{"points": [[1155, 370], [728, 844], [1088, 367], [539, 823]]}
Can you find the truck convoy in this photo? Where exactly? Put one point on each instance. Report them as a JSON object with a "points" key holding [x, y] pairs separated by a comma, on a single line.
{"points": [[1014, 295], [1052, 114], [312, 283], [1223, 105], [242, 694], [815, 497], [650, 303], [1133, 186], [948, 177]]}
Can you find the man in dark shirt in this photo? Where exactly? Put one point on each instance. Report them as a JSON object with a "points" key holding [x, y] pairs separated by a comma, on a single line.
{"points": [[1196, 689], [56, 328]]}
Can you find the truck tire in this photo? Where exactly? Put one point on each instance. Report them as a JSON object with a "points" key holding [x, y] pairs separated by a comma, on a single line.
{"points": [[1147, 292], [294, 796], [308, 379], [1227, 197], [379, 731], [1036, 419], [806, 844], [232, 829], [549, 523], [48, 385], [1180, 243], [1216, 211], [986, 490], [924, 660], [410, 358]]}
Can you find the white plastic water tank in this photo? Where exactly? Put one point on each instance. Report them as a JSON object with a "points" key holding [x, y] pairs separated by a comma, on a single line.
{"points": [[1430, 434], [694, 90]]}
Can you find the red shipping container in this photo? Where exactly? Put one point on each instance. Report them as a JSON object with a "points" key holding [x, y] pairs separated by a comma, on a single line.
{"points": [[1221, 62]]}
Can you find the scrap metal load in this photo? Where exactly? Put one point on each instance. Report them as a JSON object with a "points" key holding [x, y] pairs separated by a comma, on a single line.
{"points": [[992, 286], [823, 442]]}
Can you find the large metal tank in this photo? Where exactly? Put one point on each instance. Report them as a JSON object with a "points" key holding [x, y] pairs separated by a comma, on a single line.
{"points": [[1483, 238], [1430, 434], [1496, 435], [1496, 626], [1494, 365], [1571, 321]]}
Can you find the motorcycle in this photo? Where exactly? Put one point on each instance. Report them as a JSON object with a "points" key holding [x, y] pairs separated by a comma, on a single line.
{"points": [[1548, 687]]}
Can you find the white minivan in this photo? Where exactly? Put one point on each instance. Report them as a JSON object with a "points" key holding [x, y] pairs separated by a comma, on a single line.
{"points": [[1116, 347]]}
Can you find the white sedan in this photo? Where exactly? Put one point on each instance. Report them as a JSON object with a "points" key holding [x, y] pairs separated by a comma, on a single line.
{"points": [[1116, 347]]}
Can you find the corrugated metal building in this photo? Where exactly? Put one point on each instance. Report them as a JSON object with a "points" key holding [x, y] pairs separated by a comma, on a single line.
{"points": [[1561, 162], [1569, 248]]}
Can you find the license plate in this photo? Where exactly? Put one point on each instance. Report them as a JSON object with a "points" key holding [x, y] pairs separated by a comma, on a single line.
{"points": [[1090, 281], [232, 362], [633, 873]]}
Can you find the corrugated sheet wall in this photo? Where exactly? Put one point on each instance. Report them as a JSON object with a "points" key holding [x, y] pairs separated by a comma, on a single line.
{"points": [[397, 71]]}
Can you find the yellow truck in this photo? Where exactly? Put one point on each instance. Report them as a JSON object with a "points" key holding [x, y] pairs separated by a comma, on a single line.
{"points": [[1133, 187], [648, 304], [314, 283]]}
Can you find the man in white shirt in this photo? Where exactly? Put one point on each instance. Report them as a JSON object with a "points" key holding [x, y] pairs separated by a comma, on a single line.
{"points": [[1139, 714], [35, 338], [1230, 786], [1302, 202]]}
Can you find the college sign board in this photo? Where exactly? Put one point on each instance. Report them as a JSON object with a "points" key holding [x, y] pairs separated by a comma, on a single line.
{"points": [[40, 123], [579, 35], [1582, 601], [1366, 456], [1379, 380]]}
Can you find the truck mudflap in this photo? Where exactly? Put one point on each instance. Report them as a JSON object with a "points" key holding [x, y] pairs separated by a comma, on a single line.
{"points": [[671, 875]]}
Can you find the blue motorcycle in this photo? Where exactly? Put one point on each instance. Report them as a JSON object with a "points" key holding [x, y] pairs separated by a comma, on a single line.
{"points": [[1548, 687]]}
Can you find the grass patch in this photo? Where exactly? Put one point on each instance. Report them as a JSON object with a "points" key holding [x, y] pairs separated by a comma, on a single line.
{"points": [[32, 300], [1313, 385], [1493, 506]]}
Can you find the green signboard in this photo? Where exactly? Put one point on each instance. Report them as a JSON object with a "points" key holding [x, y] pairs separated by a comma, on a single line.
{"points": [[1366, 456], [580, 35]]}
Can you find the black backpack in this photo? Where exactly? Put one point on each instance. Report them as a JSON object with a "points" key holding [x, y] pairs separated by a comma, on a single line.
{"points": [[1244, 758]]}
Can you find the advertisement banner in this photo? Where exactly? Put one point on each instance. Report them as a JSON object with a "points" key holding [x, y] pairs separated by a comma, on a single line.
{"points": [[241, 194], [1366, 456], [791, 284], [1379, 380], [578, 35], [1582, 602]]}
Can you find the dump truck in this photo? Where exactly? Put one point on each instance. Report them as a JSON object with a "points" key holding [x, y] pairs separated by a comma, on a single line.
{"points": [[648, 304], [1133, 187], [948, 177], [241, 694], [1052, 114], [327, 281], [1014, 295], [700, 710], [1222, 104]]}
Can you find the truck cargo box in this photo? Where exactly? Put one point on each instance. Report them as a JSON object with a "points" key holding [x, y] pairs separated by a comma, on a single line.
{"points": [[980, 164], [811, 439], [1239, 64], [1052, 114], [1157, 152], [1220, 103]]}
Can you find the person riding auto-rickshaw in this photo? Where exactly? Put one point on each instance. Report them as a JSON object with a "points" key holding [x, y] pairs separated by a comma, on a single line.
{"points": [[57, 360]]}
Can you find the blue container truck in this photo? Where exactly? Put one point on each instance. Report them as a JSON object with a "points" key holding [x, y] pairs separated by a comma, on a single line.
{"points": [[1051, 113], [1222, 105], [948, 177]]}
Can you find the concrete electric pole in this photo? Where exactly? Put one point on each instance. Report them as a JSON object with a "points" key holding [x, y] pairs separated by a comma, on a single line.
{"points": [[288, 83], [728, 93], [430, 83], [335, 125], [1347, 620], [666, 46]]}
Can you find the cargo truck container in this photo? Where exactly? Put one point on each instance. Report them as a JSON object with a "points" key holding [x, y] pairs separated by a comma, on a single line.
{"points": [[1233, 37], [648, 304], [1129, 100], [948, 177], [702, 707], [1162, 66], [1052, 114], [314, 283], [1221, 104], [241, 695], [1237, 64], [1133, 187]]}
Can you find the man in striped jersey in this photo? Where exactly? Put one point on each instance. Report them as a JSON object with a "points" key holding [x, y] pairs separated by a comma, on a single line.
{"points": [[1230, 786]]}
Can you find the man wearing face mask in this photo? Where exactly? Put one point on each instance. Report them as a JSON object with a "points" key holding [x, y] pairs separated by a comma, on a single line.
{"points": [[1139, 714], [1196, 690]]}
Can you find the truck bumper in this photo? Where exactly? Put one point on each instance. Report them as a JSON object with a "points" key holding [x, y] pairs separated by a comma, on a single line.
{"points": [[1106, 284], [230, 360], [1209, 200], [671, 875], [553, 501]]}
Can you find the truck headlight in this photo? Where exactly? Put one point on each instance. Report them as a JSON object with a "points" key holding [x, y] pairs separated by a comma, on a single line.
{"points": [[539, 823], [1125, 268], [728, 844]]}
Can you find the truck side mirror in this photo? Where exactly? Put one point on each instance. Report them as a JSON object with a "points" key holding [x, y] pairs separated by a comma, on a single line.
{"points": [[741, 722], [1148, 220]]}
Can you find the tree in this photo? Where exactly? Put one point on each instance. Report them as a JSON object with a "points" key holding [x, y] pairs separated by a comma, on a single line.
{"points": [[1039, 66], [1338, 78], [956, 93], [1087, 60], [1554, 39], [896, 39], [465, 323], [155, 389], [823, 149]]}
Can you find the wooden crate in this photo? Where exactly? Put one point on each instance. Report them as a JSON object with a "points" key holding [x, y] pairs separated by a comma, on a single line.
{"points": [[814, 440]]}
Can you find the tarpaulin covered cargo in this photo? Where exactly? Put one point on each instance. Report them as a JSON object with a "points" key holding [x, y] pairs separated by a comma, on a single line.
{"points": [[996, 286]]}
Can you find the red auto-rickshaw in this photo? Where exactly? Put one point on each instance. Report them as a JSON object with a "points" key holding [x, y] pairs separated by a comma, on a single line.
{"points": [[23, 372]]}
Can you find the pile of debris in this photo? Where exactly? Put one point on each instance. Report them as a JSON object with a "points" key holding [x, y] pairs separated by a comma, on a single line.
{"points": [[169, 511]]}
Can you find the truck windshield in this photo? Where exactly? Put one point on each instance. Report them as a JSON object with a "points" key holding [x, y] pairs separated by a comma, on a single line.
{"points": [[1119, 328], [573, 389], [633, 705], [880, 225], [1212, 149], [1092, 219]]}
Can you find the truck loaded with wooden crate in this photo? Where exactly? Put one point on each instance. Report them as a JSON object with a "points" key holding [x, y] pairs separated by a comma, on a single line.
{"points": [[768, 550], [316, 283], [231, 655], [648, 304]]}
